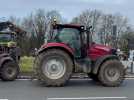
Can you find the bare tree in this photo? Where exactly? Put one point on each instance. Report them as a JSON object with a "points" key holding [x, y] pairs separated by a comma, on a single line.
{"points": [[121, 22], [103, 24], [37, 24], [88, 18], [106, 30]]}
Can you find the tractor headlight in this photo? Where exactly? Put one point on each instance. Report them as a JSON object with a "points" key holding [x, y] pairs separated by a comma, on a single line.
{"points": [[11, 44]]}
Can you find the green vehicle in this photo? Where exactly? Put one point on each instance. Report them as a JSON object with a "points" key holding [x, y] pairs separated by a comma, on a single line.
{"points": [[7, 39], [8, 44], [9, 68], [9, 50]]}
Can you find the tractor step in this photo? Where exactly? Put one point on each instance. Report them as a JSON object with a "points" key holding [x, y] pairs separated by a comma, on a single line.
{"points": [[83, 65]]}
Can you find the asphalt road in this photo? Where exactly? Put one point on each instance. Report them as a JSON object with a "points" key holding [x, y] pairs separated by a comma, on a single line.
{"points": [[76, 89]]}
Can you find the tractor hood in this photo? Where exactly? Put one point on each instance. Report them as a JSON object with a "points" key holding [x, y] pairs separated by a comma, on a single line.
{"points": [[98, 50], [102, 47]]}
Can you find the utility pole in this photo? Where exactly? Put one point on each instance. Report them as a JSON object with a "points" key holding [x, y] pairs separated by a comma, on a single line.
{"points": [[114, 36]]}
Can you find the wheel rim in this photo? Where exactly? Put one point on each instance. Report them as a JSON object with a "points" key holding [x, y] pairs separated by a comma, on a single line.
{"points": [[54, 68], [112, 73], [10, 71]]}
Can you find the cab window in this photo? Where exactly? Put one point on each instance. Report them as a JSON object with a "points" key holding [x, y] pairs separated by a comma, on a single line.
{"points": [[71, 37]]}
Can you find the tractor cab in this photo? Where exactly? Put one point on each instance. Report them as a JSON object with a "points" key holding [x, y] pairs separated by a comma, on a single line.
{"points": [[77, 37]]}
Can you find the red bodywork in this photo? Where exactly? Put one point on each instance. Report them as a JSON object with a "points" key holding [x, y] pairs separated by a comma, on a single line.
{"points": [[94, 51], [55, 44]]}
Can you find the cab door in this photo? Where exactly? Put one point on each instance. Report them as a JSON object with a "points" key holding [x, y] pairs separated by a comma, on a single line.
{"points": [[71, 37]]}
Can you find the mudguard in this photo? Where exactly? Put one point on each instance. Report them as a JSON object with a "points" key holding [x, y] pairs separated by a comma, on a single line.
{"points": [[101, 60], [58, 46], [4, 55]]}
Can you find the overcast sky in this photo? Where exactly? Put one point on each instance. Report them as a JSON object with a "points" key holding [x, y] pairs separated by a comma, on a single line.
{"points": [[68, 8]]}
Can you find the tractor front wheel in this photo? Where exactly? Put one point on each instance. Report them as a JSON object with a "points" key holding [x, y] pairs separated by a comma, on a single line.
{"points": [[54, 67], [111, 73], [9, 71]]}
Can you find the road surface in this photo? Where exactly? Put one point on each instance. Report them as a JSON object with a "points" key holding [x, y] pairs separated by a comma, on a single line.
{"points": [[76, 89]]}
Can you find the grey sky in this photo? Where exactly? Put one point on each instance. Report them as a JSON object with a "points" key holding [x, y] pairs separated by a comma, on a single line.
{"points": [[68, 8]]}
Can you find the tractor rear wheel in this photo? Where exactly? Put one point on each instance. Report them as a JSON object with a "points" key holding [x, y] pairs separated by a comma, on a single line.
{"points": [[54, 67], [111, 73], [9, 71]]}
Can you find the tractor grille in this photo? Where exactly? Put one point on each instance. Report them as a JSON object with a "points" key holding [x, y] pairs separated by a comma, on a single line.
{"points": [[4, 49]]}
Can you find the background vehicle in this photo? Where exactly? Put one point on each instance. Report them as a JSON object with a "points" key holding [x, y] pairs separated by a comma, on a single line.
{"points": [[8, 44], [70, 49], [9, 51], [9, 36]]}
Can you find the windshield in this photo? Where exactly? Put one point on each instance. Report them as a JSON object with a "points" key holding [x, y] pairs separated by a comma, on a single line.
{"points": [[63, 35], [5, 37], [66, 35]]}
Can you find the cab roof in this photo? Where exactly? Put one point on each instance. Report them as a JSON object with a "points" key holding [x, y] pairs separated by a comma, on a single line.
{"points": [[12, 27], [81, 27]]}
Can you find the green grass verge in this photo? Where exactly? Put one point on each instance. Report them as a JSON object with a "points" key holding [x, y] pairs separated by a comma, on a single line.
{"points": [[26, 64]]}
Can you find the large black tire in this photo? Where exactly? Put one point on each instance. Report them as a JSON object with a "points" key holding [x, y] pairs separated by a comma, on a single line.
{"points": [[46, 57], [111, 73], [9, 71]]}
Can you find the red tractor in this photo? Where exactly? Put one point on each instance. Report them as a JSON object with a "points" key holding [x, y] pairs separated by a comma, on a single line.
{"points": [[70, 49]]}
